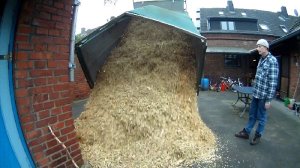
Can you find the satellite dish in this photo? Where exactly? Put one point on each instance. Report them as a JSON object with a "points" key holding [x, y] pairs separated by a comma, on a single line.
{"points": [[295, 12]]}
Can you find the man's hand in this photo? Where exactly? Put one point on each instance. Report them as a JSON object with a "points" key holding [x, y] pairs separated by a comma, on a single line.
{"points": [[268, 105]]}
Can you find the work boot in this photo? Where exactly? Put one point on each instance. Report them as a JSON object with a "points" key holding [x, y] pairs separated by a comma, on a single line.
{"points": [[256, 139], [242, 134]]}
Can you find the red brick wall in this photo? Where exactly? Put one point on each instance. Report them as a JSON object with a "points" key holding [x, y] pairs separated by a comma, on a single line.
{"points": [[294, 74], [43, 91], [214, 66], [81, 87]]}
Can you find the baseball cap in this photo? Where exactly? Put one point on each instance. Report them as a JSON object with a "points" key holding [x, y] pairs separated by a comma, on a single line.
{"points": [[263, 42]]}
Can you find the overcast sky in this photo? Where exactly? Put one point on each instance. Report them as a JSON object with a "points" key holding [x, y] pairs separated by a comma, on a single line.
{"points": [[93, 13]]}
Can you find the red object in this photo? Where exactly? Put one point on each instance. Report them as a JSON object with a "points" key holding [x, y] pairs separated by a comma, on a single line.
{"points": [[223, 87]]}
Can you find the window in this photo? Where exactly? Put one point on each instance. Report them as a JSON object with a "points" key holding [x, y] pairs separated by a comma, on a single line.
{"points": [[232, 24], [284, 29], [244, 14], [232, 60], [221, 13], [264, 27], [227, 25]]}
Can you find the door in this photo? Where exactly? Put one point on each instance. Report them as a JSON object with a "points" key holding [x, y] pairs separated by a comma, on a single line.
{"points": [[13, 149]]}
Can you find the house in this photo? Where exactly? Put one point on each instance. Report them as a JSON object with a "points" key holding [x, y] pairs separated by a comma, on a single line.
{"points": [[232, 32], [288, 47]]}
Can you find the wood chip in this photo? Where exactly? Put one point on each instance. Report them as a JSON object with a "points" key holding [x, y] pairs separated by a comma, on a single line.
{"points": [[143, 110]]}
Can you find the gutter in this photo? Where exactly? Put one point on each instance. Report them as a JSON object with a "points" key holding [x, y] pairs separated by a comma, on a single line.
{"points": [[72, 64]]}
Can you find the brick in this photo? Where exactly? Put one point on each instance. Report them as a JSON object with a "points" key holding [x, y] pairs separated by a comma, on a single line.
{"points": [[53, 96], [59, 5], [39, 81], [23, 65], [74, 147], [54, 32], [48, 9], [67, 130], [24, 29], [42, 162], [38, 149], [25, 46], [60, 87], [26, 119], [61, 25], [28, 127], [39, 98], [54, 149], [61, 56], [52, 143], [67, 108], [60, 40], [41, 55], [42, 39], [65, 94], [49, 105], [71, 135], [33, 134], [40, 140], [63, 79], [22, 38], [45, 122], [21, 92], [62, 102], [56, 163], [69, 122], [44, 15], [38, 155], [61, 72], [53, 48], [21, 74], [43, 114], [23, 100], [42, 31], [52, 81], [22, 55], [76, 153], [56, 156], [64, 48], [41, 73], [40, 47], [40, 64], [63, 117], [38, 107], [57, 18], [56, 111], [59, 125], [43, 23], [24, 109]]}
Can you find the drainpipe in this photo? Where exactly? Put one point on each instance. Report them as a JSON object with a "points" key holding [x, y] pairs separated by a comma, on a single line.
{"points": [[72, 64]]}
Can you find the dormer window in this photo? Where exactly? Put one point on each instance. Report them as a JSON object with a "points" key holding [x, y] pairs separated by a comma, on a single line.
{"points": [[244, 14], [281, 18], [284, 29], [221, 13], [227, 25], [264, 27]]}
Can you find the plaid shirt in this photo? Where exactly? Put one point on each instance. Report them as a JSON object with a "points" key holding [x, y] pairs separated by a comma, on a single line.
{"points": [[266, 78]]}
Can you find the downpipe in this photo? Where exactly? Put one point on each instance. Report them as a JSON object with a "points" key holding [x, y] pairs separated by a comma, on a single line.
{"points": [[72, 64]]}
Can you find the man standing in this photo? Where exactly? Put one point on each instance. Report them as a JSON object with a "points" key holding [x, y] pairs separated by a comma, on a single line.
{"points": [[264, 89]]}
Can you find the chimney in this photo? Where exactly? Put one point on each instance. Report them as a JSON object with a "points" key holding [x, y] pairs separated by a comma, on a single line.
{"points": [[82, 30], [284, 12], [230, 6]]}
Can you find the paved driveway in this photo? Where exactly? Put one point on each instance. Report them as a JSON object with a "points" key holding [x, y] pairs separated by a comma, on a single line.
{"points": [[279, 147]]}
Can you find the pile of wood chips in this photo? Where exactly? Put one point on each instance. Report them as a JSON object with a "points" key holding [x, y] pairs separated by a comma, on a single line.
{"points": [[143, 110]]}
